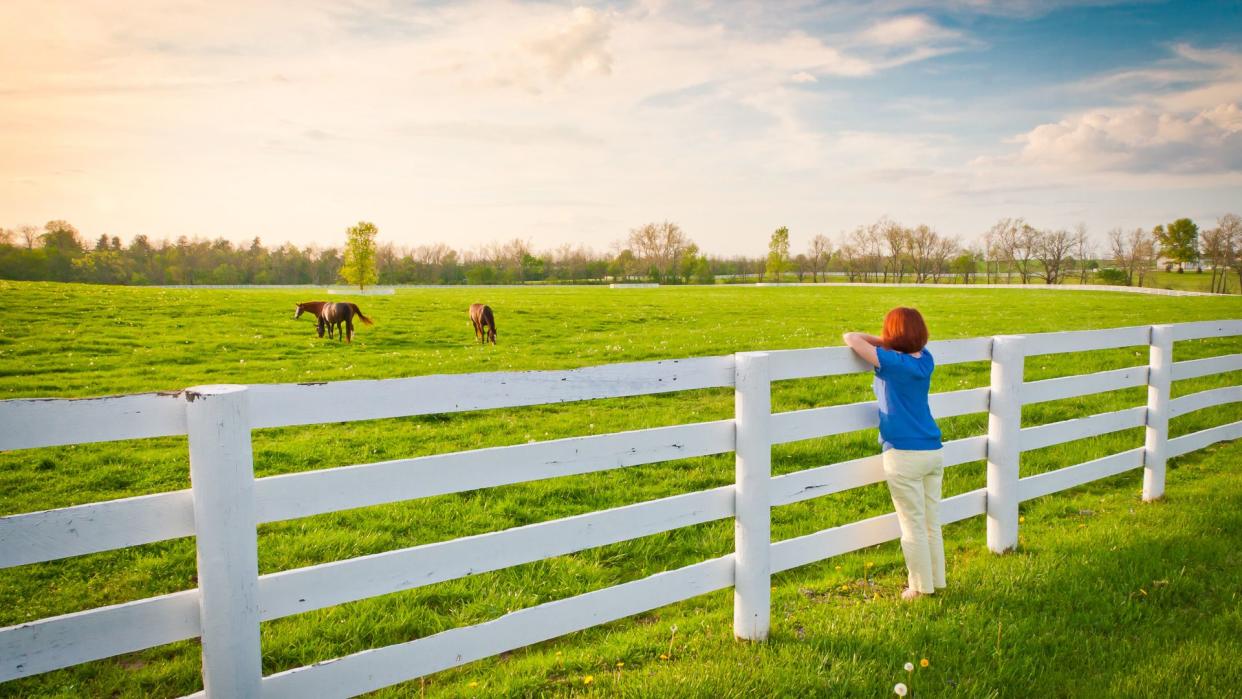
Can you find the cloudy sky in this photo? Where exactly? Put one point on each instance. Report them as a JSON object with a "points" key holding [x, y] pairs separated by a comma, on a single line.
{"points": [[468, 122]]}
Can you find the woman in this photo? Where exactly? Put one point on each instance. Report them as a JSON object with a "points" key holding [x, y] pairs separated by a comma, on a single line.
{"points": [[913, 459]]}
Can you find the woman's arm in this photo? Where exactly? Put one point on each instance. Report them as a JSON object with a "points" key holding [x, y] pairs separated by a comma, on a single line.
{"points": [[864, 346]]}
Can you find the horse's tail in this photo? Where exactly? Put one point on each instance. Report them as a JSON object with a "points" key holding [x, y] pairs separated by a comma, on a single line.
{"points": [[358, 312]]}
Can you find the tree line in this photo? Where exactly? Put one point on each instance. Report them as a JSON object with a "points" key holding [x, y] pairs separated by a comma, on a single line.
{"points": [[1012, 250]]}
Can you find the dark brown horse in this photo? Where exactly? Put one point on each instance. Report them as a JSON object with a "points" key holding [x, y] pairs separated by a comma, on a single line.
{"points": [[333, 315], [481, 316]]}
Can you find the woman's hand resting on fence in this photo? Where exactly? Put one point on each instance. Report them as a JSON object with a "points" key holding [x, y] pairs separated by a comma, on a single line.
{"points": [[864, 346]]}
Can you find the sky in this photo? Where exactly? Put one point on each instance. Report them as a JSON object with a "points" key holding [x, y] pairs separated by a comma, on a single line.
{"points": [[477, 121]]}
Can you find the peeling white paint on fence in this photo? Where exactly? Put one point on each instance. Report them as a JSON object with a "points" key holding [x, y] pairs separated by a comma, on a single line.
{"points": [[227, 503]]}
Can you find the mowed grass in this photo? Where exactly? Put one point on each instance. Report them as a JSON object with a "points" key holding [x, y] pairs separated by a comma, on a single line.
{"points": [[1106, 596]]}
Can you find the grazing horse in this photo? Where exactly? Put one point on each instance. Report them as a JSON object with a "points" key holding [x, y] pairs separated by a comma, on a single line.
{"points": [[333, 315], [480, 316]]}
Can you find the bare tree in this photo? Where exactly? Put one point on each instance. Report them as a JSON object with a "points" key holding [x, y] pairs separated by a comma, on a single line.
{"points": [[1025, 248], [659, 245], [866, 256], [29, 235], [820, 254], [874, 252], [942, 253], [1230, 226], [989, 254], [921, 242], [1006, 237], [1084, 251], [1220, 246], [1120, 251], [849, 258], [1132, 252], [1146, 251], [897, 242], [1052, 249]]}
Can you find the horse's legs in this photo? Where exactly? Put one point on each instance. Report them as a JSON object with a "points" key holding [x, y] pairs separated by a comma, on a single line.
{"points": [[349, 330], [319, 329]]}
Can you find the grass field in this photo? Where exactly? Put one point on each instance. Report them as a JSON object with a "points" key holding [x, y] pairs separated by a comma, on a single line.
{"points": [[1106, 596]]}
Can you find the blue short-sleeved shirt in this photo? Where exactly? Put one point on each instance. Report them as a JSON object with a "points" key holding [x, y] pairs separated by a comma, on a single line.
{"points": [[902, 382]]}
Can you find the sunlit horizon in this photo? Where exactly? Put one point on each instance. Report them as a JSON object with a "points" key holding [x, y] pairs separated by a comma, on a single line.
{"points": [[562, 124]]}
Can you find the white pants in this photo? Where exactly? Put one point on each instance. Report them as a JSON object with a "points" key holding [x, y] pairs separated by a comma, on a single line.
{"points": [[914, 482]]}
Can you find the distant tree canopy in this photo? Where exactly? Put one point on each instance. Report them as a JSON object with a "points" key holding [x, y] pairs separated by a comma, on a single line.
{"points": [[1179, 242], [660, 249], [778, 252], [358, 268], [882, 251]]}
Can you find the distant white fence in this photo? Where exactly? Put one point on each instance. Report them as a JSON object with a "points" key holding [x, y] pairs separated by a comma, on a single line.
{"points": [[226, 502]]}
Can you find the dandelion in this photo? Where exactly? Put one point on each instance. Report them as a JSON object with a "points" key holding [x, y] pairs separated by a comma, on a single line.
{"points": [[1021, 520], [664, 656], [588, 679], [870, 564], [620, 664], [473, 684], [924, 663], [909, 667], [900, 689]]}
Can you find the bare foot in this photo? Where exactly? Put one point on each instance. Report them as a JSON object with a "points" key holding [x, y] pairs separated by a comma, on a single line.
{"points": [[911, 594]]}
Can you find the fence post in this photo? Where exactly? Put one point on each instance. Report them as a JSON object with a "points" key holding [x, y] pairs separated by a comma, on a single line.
{"points": [[222, 480], [752, 523], [1159, 386], [1004, 427]]}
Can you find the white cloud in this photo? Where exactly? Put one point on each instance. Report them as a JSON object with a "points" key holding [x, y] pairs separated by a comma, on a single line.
{"points": [[902, 31], [1140, 139], [1179, 116], [477, 120], [575, 46]]}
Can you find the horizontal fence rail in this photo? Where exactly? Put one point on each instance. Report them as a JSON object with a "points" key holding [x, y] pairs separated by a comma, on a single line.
{"points": [[226, 611], [41, 422], [329, 490], [282, 405]]}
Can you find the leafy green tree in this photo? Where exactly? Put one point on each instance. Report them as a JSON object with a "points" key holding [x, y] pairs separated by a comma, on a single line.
{"points": [[61, 246], [703, 272], [964, 265], [61, 236], [359, 265], [688, 263], [1179, 242], [778, 252], [532, 267]]}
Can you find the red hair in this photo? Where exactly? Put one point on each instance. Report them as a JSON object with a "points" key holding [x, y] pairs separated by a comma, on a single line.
{"points": [[904, 330]]}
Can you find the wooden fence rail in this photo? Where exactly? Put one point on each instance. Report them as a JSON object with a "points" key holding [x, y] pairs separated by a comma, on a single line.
{"points": [[226, 502]]}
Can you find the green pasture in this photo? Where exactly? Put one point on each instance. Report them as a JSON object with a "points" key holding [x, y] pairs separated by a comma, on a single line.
{"points": [[1107, 595]]}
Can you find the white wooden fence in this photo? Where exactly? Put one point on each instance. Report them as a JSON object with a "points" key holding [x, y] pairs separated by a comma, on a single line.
{"points": [[226, 502]]}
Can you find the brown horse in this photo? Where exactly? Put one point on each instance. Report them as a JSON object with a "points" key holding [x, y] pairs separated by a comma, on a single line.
{"points": [[480, 316], [333, 315]]}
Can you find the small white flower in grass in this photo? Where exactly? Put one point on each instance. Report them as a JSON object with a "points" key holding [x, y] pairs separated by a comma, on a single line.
{"points": [[900, 689], [909, 667]]}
